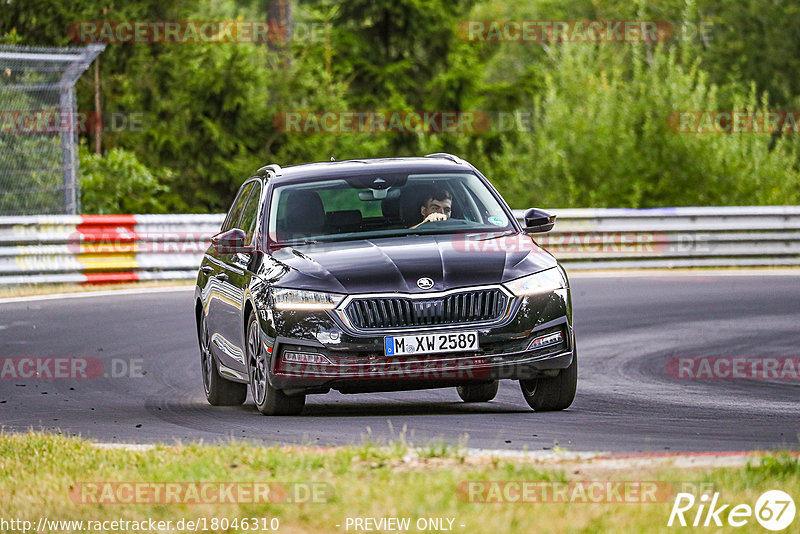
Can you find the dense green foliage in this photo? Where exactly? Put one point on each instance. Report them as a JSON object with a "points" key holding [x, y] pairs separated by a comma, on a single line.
{"points": [[592, 125], [118, 182]]}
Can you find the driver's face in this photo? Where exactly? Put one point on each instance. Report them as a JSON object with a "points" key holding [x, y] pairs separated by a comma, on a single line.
{"points": [[438, 206]]}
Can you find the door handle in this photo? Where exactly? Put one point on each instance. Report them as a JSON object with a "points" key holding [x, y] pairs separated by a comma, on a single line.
{"points": [[222, 277], [206, 269]]}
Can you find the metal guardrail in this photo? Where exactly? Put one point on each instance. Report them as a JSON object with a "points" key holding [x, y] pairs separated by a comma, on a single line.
{"points": [[103, 248], [675, 237], [109, 248]]}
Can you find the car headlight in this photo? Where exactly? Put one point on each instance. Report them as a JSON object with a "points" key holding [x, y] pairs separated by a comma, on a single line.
{"points": [[300, 299], [534, 284]]}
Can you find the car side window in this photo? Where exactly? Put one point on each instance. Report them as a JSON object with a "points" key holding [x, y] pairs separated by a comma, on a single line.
{"points": [[250, 213], [235, 213]]}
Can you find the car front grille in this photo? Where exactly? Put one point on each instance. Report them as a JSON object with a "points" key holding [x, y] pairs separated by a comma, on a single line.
{"points": [[464, 307]]}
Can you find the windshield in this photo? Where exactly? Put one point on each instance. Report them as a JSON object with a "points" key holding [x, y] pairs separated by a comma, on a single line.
{"points": [[372, 206]]}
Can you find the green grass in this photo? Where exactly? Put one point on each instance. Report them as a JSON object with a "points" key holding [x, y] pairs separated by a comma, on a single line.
{"points": [[39, 472]]}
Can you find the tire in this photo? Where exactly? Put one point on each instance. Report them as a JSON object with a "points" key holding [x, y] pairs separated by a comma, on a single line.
{"points": [[555, 393], [269, 400], [478, 392], [219, 392]]}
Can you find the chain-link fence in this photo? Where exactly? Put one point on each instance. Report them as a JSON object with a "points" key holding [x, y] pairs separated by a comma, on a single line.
{"points": [[39, 126]]}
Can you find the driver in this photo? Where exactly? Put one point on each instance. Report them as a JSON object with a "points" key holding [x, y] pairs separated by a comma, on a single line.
{"points": [[437, 206]]}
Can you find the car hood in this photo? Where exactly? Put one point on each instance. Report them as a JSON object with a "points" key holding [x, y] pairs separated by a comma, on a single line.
{"points": [[395, 264]]}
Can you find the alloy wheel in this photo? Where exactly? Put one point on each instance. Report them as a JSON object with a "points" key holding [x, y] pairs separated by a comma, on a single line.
{"points": [[258, 364]]}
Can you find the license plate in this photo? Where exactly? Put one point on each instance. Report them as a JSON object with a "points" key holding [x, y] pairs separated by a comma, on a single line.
{"points": [[430, 343]]}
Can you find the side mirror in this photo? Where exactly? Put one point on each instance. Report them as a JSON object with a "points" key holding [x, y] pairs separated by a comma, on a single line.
{"points": [[538, 221], [231, 242]]}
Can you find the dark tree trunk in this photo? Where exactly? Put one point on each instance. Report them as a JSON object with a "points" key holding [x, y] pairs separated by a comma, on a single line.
{"points": [[98, 121], [279, 17]]}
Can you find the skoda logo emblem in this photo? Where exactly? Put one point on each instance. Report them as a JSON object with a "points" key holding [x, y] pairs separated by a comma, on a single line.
{"points": [[425, 283]]}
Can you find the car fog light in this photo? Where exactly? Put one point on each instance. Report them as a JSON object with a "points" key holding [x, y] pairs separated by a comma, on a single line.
{"points": [[545, 341], [305, 357]]}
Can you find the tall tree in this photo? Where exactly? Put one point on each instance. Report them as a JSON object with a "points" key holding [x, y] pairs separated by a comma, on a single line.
{"points": [[281, 24]]}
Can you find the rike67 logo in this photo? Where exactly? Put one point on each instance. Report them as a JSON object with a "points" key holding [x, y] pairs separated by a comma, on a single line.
{"points": [[774, 510]]}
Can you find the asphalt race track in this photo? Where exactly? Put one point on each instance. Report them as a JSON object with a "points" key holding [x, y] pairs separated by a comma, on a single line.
{"points": [[627, 327]]}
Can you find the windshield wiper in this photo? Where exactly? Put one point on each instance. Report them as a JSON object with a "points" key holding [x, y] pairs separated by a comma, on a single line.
{"points": [[507, 232], [296, 243]]}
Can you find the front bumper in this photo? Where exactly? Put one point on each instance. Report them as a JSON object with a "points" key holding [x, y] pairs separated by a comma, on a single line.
{"points": [[334, 357]]}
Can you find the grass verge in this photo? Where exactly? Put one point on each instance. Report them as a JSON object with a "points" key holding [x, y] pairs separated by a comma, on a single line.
{"points": [[43, 475]]}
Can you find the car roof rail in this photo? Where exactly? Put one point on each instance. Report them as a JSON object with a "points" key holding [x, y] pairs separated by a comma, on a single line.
{"points": [[273, 169], [445, 155]]}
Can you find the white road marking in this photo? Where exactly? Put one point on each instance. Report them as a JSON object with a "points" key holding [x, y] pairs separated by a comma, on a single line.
{"points": [[87, 294], [125, 446]]}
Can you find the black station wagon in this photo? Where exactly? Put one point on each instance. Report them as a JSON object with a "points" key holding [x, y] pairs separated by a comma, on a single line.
{"points": [[381, 275]]}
